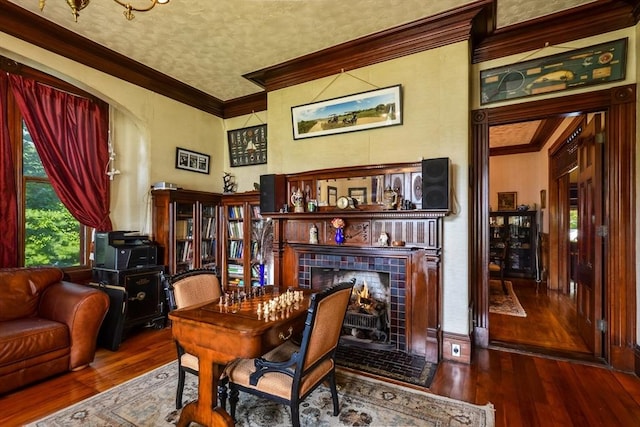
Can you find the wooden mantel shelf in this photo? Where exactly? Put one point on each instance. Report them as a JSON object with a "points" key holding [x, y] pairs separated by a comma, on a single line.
{"points": [[347, 249], [358, 213]]}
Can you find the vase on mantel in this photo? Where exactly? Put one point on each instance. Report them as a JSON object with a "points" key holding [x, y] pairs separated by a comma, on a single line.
{"points": [[262, 274], [339, 238]]}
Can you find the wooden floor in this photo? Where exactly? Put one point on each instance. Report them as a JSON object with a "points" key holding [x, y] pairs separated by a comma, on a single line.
{"points": [[550, 325], [525, 390]]}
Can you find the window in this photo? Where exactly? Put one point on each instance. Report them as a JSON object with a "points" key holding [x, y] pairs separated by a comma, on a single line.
{"points": [[52, 236]]}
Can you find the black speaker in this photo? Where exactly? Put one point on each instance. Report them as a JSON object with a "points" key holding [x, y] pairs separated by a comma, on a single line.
{"points": [[272, 192], [436, 184]]}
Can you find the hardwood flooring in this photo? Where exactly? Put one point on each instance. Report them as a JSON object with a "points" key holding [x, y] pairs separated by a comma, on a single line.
{"points": [[526, 390]]}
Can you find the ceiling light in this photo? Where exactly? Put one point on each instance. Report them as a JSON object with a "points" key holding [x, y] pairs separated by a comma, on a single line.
{"points": [[77, 5]]}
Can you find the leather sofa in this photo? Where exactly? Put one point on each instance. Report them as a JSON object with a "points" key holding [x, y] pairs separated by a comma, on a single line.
{"points": [[47, 325]]}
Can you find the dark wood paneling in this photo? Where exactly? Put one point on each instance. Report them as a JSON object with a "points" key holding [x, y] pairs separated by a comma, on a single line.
{"points": [[245, 105], [584, 21], [38, 31]]}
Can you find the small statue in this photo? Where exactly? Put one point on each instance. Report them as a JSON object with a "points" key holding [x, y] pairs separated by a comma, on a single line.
{"points": [[313, 235], [229, 185], [383, 240]]}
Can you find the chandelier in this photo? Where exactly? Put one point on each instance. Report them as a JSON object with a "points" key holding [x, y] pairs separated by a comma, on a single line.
{"points": [[77, 5]]}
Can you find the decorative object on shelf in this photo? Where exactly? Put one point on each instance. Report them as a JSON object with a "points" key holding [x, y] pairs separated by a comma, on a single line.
{"points": [[313, 235], [383, 240], [381, 107], [229, 185], [507, 201], [594, 65], [522, 208], [297, 200], [248, 146], [192, 161], [262, 277], [262, 234], [389, 198], [312, 205], [338, 224], [345, 202], [398, 243], [77, 5]]}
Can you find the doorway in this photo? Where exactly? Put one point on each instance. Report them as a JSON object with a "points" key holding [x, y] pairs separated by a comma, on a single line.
{"points": [[619, 271], [531, 159]]}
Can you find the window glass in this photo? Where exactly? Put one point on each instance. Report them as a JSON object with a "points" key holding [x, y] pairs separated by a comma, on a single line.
{"points": [[52, 234]]}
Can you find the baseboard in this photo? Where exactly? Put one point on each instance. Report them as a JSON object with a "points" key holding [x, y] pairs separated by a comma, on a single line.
{"points": [[457, 341]]}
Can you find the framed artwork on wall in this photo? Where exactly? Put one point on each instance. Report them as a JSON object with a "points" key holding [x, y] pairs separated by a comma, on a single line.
{"points": [[507, 201], [360, 111], [192, 161], [248, 146]]}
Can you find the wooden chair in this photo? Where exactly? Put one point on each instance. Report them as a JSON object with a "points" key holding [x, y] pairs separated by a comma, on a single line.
{"points": [[497, 264], [288, 374], [186, 289]]}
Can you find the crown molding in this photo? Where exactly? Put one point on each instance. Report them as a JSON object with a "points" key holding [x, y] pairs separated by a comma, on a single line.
{"points": [[40, 32], [572, 24], [468, 22]]}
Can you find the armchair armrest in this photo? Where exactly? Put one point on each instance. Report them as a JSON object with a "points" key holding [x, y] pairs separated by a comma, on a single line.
{"points": [[264, 366], [82, 309]]}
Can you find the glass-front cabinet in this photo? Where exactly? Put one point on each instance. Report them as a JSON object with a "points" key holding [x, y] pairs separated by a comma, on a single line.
{"points": [[185, 225], [514, 234], [242, 224]]}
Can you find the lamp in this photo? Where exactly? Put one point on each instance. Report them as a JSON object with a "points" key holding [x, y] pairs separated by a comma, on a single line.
{"points": [[77, 5]]}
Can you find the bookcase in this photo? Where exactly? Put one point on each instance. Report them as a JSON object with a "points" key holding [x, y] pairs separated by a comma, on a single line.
{"points": [[241, 213], [185, 226], [518, 232]]}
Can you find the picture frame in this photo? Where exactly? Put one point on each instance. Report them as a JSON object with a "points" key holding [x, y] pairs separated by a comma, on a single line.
{"points": [[543, 199], [332, 196], [359, 194], [507, 201], [598, 64], [248, 146], [360, 111], [192, 160]]}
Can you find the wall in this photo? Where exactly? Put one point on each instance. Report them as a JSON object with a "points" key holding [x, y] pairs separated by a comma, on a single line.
{"points": [[435, 86], [146, 128]]}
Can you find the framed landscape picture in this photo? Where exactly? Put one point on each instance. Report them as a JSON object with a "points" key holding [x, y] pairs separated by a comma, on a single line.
{"points": [[366, 110]]}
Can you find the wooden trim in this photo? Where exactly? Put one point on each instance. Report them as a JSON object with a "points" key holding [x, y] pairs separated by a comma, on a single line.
{"points": [[245, 105], [547, 127], [466, 348], [619, 194], [572, 24], [439, 30], [38, 31]]}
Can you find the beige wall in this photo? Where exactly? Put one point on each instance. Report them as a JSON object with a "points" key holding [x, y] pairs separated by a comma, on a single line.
{"points": [[435, 87], [146, 128]]}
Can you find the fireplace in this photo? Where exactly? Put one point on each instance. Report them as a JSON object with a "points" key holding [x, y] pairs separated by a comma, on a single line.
{"points": [[367, 321], [385, 278]]}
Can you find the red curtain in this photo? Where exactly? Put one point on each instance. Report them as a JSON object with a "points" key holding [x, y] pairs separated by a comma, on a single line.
{"points": [[9, 206], [70, 134]]}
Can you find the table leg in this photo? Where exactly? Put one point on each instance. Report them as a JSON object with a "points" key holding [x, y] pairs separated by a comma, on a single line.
{"points": [[200, 410]]}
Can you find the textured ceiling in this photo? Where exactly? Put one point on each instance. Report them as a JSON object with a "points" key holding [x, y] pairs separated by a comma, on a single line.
{"points": [[211, 44]]}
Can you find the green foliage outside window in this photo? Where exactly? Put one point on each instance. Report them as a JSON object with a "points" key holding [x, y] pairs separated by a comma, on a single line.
{"points": [[52, 234]]}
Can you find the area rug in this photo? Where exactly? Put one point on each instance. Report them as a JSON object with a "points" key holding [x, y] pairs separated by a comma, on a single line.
{"points": [[149, 400], [392, 364], [500, 303]]}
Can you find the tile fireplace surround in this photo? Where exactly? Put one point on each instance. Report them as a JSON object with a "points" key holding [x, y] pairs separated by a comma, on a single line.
{"points": [[414, 269]]}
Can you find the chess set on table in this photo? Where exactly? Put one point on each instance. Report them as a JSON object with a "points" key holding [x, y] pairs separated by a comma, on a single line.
{"points": [[262, 303]]}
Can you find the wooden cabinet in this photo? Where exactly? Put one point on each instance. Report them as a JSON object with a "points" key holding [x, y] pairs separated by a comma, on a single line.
{"points": [[241, 213], [185, 225], [517, 231]]}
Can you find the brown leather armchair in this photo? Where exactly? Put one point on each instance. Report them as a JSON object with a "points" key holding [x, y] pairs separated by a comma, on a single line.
{"points": [[47, 325]]}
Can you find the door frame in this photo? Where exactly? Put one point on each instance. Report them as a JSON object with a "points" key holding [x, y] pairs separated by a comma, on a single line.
{"points": [[619, 104]]}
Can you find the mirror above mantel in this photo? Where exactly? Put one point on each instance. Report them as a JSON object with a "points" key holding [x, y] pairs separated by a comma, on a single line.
{"points": [[363, 186]]}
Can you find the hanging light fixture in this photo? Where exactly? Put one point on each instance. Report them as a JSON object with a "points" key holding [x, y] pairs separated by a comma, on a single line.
{"points": [[78, 5]]}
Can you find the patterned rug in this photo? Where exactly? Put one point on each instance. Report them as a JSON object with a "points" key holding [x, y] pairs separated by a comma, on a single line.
{"points": [[149, 401], [500, 303]]}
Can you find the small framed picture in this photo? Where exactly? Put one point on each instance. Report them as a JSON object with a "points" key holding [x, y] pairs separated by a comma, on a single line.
{"points": [[359, 193], [507, 201], [192, 161]]}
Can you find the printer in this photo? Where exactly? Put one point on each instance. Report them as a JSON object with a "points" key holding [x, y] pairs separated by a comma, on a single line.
{"points": [[123, 250]]}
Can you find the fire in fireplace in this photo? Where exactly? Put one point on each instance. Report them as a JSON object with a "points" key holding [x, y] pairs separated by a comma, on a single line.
{"points": [[367, 320]]}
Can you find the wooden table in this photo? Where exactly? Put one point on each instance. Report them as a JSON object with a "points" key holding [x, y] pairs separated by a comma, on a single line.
{"points": [[218, 333]]}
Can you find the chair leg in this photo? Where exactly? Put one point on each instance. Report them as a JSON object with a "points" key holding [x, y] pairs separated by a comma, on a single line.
{"points": [[181, 375], [504, 286], [334, 394], [295, 414], [233, 400], [222, 392]]}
